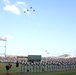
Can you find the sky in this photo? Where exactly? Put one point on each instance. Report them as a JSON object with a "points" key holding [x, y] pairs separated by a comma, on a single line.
{"points": [[50, 30]]}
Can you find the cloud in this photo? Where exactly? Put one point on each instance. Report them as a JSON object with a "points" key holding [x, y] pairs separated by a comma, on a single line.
{"points": [[23, 6], [20, 3], [12, 8], [15, 8]]}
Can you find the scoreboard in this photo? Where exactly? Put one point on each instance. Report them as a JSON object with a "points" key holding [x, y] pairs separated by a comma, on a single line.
{"points": [[34, 58]]}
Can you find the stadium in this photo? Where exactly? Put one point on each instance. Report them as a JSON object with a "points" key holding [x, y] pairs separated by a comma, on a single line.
{"points": [[37, 37], [38, 65]]}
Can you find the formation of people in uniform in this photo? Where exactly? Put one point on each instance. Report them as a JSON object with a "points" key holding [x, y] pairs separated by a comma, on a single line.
{"points": [[42, 66], [45, 66]]}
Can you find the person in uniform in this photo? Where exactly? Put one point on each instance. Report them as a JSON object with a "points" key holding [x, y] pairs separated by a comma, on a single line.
{"points": [[17, 66], [22, 66]]}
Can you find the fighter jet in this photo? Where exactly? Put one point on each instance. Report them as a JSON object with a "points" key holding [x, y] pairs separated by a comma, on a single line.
{"points": [[27, 10], [30, 7], [34, 10], [24, 11]]}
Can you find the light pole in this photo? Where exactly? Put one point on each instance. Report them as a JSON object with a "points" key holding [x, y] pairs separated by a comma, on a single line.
{"points": [[5, 40], [5, 47]]}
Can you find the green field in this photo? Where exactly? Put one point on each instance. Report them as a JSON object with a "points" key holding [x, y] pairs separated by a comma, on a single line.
{"points": [[13, 72]]}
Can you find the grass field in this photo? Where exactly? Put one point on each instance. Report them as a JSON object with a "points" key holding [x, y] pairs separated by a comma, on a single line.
{"points": [[13, 72]]}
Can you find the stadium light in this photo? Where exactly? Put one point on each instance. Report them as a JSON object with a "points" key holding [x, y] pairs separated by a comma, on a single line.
{"points": [[4, 39]]}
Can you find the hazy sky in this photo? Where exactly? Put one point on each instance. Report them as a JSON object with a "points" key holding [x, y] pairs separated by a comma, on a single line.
{"points": [[51, 27]]}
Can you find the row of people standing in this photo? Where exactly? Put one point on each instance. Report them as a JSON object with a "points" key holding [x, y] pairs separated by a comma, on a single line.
{"points": [[21, 67], [25, 66], [43, 66], [29, 67]]}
